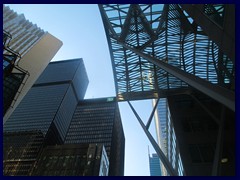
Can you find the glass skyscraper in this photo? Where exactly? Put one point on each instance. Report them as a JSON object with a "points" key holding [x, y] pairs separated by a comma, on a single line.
{"points": [[47, 109], [98, 121], [72, 160], [166, 137], [55, 107], [20, 152], [154, 164], [50, 104]]}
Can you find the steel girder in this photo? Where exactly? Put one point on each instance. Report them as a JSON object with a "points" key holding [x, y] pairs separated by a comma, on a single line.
{"points": [[157, 52], [218, 22], [161, 155], [169, 35]]}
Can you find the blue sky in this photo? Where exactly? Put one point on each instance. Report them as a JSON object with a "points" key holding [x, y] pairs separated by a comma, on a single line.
{"points": [[80, 28]]}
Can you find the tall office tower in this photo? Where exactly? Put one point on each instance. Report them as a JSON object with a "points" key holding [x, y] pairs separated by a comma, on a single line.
{"points": [[50, 104], [27, 51], [20, 151], [186, 49], [166, 137], [72, 160], [160, 117], [154, 165], [172, 145], [99, 121]]}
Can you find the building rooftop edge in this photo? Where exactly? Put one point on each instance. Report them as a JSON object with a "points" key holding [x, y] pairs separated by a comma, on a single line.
{"points": [[101, 99], [22, 14], [66, 60]]}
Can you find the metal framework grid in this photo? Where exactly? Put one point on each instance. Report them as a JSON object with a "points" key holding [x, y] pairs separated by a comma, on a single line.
{"points": [[159, 50], [169, 35]]}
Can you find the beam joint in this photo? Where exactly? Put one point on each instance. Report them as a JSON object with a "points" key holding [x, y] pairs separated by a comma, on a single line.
{"points": [[151, 115], [220, 94]]}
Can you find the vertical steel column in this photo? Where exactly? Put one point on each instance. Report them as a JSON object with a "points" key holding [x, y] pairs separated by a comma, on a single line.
{"points": [[161, 155], [220, 94]]}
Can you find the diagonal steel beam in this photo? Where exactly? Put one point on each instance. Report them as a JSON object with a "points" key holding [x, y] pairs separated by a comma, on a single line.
{"points": [[220, 94], [224, 36], [161, 155], [106, 22], [152, 113], [134, 12], [126, 24]]}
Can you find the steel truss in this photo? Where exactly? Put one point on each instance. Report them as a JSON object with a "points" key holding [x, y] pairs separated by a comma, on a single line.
{"points": [[157, 51], [169, 36], [160, 153]]}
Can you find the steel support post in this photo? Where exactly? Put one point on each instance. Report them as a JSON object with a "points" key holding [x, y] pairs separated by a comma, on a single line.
{"points": [[219, 146], [220, 94], [161, 155]]}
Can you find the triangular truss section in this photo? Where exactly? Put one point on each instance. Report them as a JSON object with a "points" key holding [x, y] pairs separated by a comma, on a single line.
{"points": [[169, 36]]}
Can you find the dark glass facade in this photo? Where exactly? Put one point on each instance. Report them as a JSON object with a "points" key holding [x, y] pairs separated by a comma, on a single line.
{"points": [[72, 160], [11, 85], [196, 133], [51, 102], [13, 76], [98, 121], [20, 151]]}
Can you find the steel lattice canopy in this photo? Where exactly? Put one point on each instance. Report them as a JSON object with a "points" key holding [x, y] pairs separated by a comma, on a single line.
{"points": [[167, 33]]}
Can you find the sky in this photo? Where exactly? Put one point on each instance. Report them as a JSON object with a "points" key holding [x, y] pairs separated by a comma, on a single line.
{"points": [[80, 28]]}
